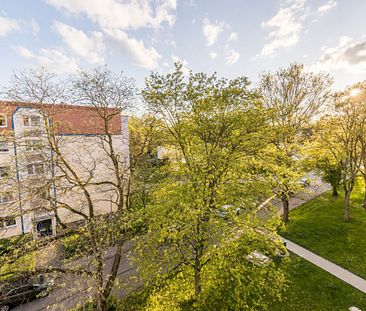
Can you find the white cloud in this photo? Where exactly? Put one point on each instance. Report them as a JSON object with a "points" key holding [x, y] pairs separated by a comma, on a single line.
{"points": [[176, 59], [54, 60], [123, 15], [326, 7], [8, 25], [89, 48], [34, 27], [233, 37], [231, 56], [348, 56], [212, 31], [116, 17], [23, 52], [142, 56], [285, 27], [212, 54]]}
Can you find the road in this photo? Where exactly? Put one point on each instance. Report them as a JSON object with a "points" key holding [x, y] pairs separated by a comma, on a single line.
{"points": [[75, 289]]}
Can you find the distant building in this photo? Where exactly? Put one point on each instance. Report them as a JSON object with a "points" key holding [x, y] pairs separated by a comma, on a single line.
{"points": [[26, 163]]}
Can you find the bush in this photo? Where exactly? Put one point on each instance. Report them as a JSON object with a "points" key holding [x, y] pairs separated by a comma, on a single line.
{"points": [[73, 246]]}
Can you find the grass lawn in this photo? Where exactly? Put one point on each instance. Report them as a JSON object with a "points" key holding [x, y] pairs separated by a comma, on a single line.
{"points": [[319, 226], [311, 288]]}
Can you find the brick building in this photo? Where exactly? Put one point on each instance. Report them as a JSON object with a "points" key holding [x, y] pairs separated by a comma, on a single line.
{"points": [[27, 164]]}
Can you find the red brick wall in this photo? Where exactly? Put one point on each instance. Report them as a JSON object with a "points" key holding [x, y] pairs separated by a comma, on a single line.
{"points": [[70, 119]]}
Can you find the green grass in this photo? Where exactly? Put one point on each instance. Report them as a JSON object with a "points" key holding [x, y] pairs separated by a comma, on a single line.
{"points": [[311, 288], [319, 226]]}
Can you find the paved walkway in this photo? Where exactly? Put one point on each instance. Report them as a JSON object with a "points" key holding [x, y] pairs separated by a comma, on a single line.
{"points": [[328, 266], [315, 189]]}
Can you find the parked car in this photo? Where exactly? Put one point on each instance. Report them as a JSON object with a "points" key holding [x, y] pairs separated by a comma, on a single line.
{"points": [[22, 294]]}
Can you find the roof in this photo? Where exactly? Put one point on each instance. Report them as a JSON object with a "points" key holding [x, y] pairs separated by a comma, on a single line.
{"points": [[70, 119]]}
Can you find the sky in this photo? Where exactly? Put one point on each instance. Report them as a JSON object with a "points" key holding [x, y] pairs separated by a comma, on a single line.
{"points": [[232, 37]]}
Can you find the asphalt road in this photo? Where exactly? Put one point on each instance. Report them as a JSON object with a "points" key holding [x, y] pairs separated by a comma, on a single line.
{"points": [[74, 289]]}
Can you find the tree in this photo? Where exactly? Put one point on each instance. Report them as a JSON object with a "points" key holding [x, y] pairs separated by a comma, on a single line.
{"points": [[205, 207], [78, 174], [294, 97], [146, 136], [357, 95], [320, 159], [341, 133]]}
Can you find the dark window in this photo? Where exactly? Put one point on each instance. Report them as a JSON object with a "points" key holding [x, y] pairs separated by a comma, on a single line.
{"points": [[4, 146], [6, 197], [36, 168], [39, 169], [3, 120], [4, 171], [35, 120], [33, 145], [10, 221], [31, 120], [42, 193], [26, 121]]}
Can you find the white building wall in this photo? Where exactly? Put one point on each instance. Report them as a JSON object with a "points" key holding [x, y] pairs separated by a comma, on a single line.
{"points": [[84, 152]]}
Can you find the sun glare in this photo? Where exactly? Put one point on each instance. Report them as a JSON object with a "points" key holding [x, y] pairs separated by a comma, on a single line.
{"points": [[354, 92]]}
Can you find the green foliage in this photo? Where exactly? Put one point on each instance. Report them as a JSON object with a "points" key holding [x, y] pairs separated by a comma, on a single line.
{"points": [[216, 129], [311, 288], [7, 245], [112, 305], [74, 245], [293, 96], [22, 266], [318, 225]]}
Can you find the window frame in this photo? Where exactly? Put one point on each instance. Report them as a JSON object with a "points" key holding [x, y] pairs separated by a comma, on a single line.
{"points": [[6, 144], [2, 114], [30, 118], [4, 220], [7, 172], [4, 194], [33, 145], [34, 168]]}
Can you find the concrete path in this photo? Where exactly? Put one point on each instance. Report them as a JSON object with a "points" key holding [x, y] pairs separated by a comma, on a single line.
{"points": [[328, 266]]}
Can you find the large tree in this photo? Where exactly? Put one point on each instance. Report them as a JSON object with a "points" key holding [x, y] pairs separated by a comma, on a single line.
{"points": [[341, 132], [294, 97], [206, 207], [357, 96]]}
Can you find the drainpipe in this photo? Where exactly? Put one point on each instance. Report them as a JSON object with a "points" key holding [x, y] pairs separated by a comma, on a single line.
{"points": [[18, 176]]}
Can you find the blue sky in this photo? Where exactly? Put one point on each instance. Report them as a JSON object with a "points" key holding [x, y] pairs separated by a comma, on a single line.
{"points": [[232, 37]]}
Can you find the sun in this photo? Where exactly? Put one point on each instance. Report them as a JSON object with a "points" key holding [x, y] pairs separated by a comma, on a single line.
{"points": [[354, 92]]}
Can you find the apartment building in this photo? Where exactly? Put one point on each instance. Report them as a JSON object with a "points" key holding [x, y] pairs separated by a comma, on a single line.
{"points": [[31, 182]]}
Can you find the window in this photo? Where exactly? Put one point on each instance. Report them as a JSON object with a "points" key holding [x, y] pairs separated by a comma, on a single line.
{"points": [[31, 120], [3, 120], [34, 145], [10, 221], [42, 193], [35, 168], [4, 171], [7, 222], [6, 197], [4, 146]]}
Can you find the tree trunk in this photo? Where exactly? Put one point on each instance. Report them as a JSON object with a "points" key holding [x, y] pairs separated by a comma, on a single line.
{"points": [[197, 272], [102, 302], [197, 282], [335, 190], [286, 208], [346, 204]]}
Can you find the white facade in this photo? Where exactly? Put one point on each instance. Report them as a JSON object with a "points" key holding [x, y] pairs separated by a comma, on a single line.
{"points": [[26, 208]]}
